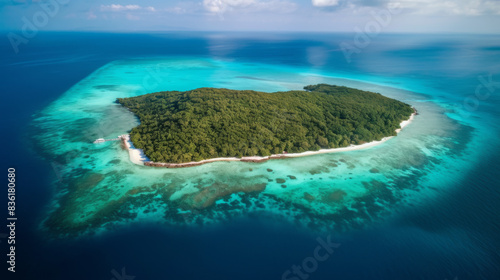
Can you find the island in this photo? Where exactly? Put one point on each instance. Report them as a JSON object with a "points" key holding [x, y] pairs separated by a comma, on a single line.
{"points": [[184, 128]]}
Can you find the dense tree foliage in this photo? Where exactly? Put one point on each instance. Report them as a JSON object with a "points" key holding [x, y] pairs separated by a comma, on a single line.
{"points": [[208, 122]]}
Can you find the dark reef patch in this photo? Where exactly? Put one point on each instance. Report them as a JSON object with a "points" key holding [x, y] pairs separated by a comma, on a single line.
{"points": [[208, 195], [333, 164], [80, 130], [309, 197], [115, 161], [319, 170], [335, 196], [85, 182]]}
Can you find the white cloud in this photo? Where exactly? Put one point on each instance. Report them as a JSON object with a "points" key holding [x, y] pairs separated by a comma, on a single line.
{"points": [[125, 8], [119, 8], [457, 7], [223, 6], [421, 7], [325, 3]]}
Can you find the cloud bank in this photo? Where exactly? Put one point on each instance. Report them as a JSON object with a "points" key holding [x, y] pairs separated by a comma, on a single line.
{"points": [[125, 8], [248, 6], [325, 3], [420, 7]]}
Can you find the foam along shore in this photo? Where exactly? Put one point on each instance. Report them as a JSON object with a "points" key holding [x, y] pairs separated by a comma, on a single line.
{"points": [[137, 155]]}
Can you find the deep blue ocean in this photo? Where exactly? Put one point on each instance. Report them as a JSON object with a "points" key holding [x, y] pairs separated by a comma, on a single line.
{"points": [[456, 235]]}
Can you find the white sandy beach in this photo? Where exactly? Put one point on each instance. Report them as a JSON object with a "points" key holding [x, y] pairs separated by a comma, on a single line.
{"points": [[403, 124], [137, 156]]}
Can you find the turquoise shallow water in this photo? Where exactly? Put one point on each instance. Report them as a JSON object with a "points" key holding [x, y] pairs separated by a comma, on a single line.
{"points": [[99, 188]]}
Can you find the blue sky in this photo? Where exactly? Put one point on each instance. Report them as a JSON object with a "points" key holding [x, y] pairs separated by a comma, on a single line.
{"points": [[469, 16]]}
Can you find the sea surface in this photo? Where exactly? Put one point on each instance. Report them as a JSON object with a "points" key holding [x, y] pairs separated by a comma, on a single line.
{"points": [[423, 205]]}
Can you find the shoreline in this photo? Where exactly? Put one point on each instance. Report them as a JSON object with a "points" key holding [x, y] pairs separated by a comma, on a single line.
{"points": [[138, 157]]}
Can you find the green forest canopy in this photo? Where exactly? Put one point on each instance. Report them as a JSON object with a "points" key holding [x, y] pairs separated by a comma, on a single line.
{"points": [[207, 123]]}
